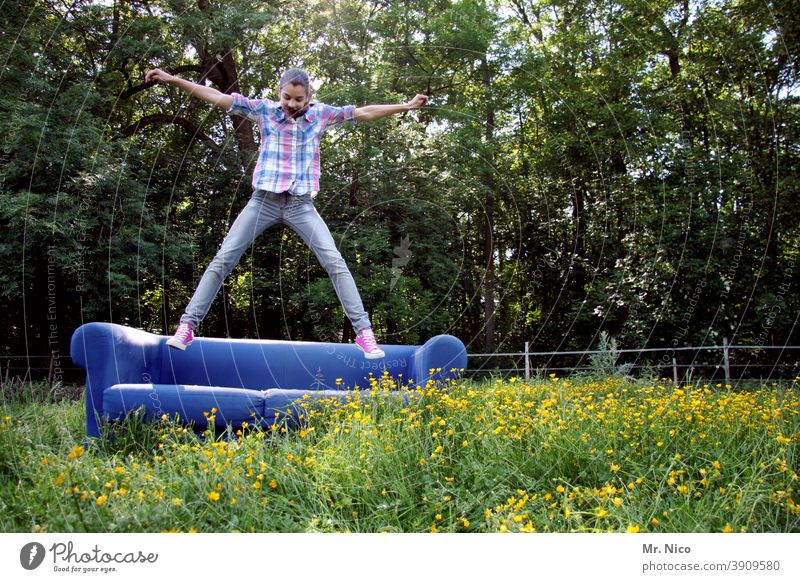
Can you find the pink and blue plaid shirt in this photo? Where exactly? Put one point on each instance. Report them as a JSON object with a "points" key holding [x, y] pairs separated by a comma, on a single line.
{"points": [[288, 159]]}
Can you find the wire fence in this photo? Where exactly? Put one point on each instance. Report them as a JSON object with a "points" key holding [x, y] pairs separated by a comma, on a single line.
{"points": [[684, 365]]}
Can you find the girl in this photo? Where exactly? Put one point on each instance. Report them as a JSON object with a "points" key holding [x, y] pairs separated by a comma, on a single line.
{"points": [[285, 179]]}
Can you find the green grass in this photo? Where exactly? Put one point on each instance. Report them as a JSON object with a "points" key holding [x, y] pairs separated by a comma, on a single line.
{"points": [[550, 455]]}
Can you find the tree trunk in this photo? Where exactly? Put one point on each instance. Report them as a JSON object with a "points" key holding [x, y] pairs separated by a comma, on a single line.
{"points": [[219, 67], [488, 225]]}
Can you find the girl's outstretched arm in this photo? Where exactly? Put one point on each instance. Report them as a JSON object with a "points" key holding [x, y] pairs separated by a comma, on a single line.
{"points": [[370, 112], [207, 94]]}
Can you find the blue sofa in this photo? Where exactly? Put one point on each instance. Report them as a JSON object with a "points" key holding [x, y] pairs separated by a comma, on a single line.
{"points": [[245, 380]]}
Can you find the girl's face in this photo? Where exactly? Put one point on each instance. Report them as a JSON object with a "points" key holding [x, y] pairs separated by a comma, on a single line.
{"points": [[294, 99]]}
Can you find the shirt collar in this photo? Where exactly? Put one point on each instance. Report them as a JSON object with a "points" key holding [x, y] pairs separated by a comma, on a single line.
{"points": [[280, 114]]}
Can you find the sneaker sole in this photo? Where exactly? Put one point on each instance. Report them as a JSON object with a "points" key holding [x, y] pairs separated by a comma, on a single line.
{"points": [[375, 356], [177, 344]]}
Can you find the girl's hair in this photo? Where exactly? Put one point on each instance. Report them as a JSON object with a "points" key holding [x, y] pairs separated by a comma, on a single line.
{"points": [[296, 77]]}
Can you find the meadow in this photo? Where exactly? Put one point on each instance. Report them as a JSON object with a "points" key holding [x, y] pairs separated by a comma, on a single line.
{"points": [[503, 455]]}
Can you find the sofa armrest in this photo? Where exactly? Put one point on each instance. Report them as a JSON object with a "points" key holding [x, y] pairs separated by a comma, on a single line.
{"points": [[113, 354], [442, 356]]}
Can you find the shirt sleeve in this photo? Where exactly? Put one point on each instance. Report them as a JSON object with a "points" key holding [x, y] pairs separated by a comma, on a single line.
{"points": [[245, 107], [334, 116]]}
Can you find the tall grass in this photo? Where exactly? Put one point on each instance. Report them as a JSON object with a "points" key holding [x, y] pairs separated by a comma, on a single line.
{"points": [[608, 454]]}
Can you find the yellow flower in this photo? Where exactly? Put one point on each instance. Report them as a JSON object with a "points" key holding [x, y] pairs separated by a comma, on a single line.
{"points": [[560, 489], [782, 440], [213, 496], [76, 452], [101, 500], [273, 484], [119, 470], [632, 529], [727, 529], [614, 467]]}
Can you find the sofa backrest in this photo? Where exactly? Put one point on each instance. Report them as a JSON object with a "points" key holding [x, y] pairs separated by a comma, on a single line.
{"points": [[265, 364]]}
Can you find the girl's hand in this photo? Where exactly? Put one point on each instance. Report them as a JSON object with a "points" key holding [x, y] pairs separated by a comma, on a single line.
{"points": [[417, 101], [157, 75]]}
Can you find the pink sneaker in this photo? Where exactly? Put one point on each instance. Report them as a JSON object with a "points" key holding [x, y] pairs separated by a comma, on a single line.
{"points": [[365, 340], [183, 336]]}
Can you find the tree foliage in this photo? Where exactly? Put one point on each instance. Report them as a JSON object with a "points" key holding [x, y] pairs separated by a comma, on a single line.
{"points": [[583, 166]]}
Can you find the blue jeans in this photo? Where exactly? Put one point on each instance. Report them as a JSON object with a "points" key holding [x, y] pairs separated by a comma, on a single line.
{"points": [[266, 209]]}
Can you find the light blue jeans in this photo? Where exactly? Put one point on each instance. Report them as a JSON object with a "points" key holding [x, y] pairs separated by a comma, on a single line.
{"points": [[266, 209]]}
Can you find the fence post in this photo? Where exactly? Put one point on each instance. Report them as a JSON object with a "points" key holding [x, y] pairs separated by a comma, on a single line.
{"points": [[50, 372], [675, 370], [726, 354], [527, 363]]}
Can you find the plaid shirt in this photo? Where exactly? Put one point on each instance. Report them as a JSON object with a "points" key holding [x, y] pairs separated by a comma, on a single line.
{"points": [[288, 159]]}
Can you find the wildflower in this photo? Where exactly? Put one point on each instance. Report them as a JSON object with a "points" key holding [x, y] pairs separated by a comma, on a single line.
{"points": [[119, 470], [614, 467], [100, 501], [76, 452], [728, 528], [273, 484], [176, 501], [213, 496], [632, 529], [782, 440]]}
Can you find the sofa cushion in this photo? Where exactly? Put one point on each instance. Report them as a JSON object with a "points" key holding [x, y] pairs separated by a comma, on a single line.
{"points": [[234, 405]]}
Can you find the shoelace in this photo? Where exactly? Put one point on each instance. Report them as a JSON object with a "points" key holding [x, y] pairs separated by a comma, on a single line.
{"points": [[369, 340], [183, 331]]}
